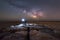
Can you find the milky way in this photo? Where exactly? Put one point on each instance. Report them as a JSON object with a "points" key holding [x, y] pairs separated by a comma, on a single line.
{"points": [[40, 9]]}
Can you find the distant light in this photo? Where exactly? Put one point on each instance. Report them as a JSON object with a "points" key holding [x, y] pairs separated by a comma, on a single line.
{"points": [[23, 20], [34, 16]]}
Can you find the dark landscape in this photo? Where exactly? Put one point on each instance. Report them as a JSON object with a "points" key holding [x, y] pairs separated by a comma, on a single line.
{"points": [[34, 34]]}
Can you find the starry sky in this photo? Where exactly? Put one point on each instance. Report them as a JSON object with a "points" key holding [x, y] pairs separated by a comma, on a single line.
{"points": [[30, 9]]}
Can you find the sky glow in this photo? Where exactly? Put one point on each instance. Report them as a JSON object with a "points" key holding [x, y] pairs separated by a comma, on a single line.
{"points": [[40, 9]]}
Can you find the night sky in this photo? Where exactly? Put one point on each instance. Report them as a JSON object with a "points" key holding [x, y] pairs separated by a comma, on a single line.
{"points": [[30, 9]]}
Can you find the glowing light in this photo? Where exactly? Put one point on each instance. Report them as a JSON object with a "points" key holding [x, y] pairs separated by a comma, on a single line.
{"points": [[34, 16], [23, 20]]}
